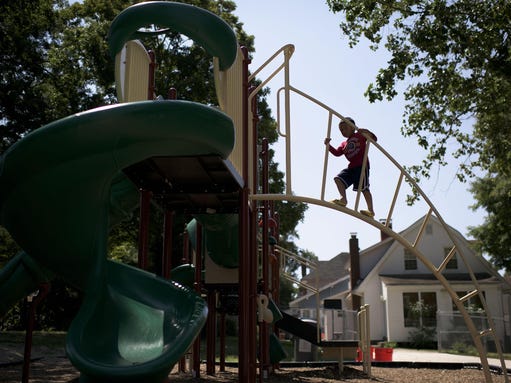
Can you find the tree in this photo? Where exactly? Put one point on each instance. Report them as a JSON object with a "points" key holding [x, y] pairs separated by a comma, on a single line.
{"points": [[24, 44], [454, 57], [493, 237]]}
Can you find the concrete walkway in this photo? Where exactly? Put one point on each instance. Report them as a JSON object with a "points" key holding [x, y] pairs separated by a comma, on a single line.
{"points": [[411, 355]]}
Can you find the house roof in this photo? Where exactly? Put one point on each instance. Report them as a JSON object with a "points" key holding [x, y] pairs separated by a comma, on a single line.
{"points": [[491, 275], [336, 289], [329, 271]]}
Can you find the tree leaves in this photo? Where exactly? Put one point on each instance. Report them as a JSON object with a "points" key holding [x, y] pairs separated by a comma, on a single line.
{"points": [[455, 59]]}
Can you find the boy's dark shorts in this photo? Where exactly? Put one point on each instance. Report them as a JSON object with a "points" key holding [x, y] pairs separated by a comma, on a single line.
{"points": [[351, 176]]}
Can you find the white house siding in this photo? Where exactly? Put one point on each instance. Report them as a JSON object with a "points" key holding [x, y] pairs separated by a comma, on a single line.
{"points": [[376, 309], [431, 246]]}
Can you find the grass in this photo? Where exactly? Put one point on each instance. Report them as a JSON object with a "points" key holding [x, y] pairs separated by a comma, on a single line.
{"points": [[231, 349], [461, 348], [52, 339], [56, 339]]}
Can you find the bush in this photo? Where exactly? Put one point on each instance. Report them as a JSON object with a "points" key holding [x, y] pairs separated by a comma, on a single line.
{"points": [[463, 348], [423, 338]]}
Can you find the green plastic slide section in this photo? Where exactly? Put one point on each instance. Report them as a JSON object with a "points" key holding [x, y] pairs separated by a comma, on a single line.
{"points": [[202, 26], [220, 237], [57, 184], [184, 274], [135, 329], [61, 189]]}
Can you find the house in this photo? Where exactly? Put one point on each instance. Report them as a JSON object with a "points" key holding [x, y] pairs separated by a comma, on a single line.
{"points": [[402, 293]]}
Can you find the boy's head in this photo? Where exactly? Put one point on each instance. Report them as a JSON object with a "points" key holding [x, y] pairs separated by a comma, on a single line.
{"points": [[347, 129]]}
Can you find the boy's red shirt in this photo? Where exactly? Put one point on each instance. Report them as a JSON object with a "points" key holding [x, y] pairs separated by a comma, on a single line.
{"points": [[353, 148]]}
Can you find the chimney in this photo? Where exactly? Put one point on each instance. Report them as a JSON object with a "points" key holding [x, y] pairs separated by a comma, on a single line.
{"points": [[383, 235], [354, 269]]}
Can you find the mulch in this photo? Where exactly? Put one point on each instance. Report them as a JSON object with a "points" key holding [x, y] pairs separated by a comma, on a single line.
{"points": [[50, 365]]}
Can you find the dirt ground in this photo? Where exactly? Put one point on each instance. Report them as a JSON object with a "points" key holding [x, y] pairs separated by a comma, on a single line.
{"points": [[51, 366]]}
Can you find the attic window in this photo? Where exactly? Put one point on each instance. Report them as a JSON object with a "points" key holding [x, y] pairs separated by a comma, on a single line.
{"points": [[410, 260], [429, 229]]}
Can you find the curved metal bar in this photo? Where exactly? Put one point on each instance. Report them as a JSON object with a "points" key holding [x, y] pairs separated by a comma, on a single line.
{"points": [[437, 272]]}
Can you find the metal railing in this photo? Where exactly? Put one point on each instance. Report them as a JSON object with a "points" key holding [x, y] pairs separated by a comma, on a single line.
{"points": [[412, 246]]}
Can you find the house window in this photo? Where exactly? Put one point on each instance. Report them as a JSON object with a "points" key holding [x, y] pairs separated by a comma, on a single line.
{"points": [[419, 309], [453, 262], [429, 229], [410, 260], [472, 304]]}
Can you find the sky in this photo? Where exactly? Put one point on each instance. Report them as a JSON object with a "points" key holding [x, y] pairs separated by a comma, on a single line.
{"points": [[324, 67]]}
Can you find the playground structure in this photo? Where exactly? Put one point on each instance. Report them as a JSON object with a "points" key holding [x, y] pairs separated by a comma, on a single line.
{"points": [[134, 326]]}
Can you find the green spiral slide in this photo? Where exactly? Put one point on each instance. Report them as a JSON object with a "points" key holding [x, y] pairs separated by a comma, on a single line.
{"points": [[62, 188]]}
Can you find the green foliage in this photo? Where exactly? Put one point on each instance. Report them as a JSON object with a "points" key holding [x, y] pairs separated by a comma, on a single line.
{"points": [[422, 336], [55, 312], [14, 319], [463, 349], [453, 59], [8, 248], [494, 238], [24, 43], [287, 293]]}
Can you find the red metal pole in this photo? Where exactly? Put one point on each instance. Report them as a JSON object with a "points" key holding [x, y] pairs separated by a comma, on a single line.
{"points": [[166, 262], [255, 121], [245, 373], [44, 288], [222, 341], [143, 232], [247, 317], [275, 269], [211, 334], [184, 260], [198, 278], [264, 333], [254, 245], [252, 317]]}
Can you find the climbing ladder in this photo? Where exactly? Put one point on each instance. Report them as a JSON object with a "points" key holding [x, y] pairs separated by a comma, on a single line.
{"points": [[412, 246]]}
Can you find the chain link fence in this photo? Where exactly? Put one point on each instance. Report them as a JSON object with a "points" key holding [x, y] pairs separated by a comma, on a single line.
{"points": [[453, 334]]}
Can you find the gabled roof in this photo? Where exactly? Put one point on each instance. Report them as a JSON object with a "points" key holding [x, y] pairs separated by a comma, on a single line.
{"points": [[336, 289], [329, 271], [375, 272]]}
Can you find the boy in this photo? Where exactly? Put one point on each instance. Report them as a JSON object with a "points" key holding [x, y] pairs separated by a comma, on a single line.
{"points": [[353, 148]]}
